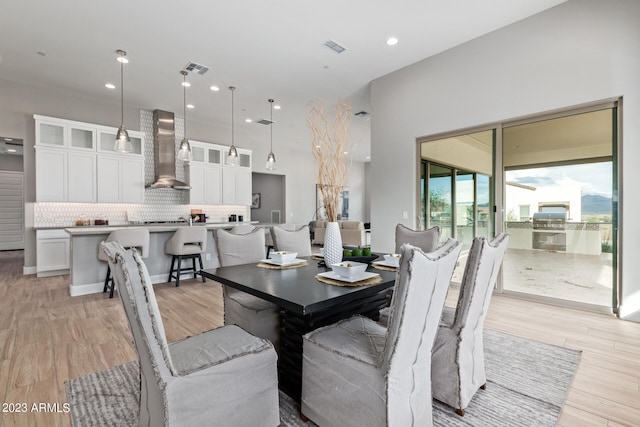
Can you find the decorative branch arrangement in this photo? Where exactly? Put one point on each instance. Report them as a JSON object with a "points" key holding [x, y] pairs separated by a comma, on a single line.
{"points": [[330, 140]]}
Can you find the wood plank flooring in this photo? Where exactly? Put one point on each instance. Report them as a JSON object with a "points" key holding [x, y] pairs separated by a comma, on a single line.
{"points": [[48, 337]]}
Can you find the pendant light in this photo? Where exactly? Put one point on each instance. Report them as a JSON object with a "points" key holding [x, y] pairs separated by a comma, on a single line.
{"points": [[271, 158], [232, 157], [184, 152], [123, 142]]}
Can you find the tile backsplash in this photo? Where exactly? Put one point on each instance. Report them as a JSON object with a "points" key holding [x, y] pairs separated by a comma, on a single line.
{"points": [[164, 204], [66, 214]]}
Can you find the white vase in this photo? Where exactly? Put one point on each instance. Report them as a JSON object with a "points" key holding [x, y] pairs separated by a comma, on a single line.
{"points": [[332, 244]]}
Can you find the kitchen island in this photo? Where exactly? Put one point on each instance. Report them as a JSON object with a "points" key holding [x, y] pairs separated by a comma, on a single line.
{"points": [[87, 273]]}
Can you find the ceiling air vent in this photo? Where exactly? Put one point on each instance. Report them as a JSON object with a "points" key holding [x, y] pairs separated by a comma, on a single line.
{"points": [[194, 68], [362, 114], [264, 122], [334, 46]]}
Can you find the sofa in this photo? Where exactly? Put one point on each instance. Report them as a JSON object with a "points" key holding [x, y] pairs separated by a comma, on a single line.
{"points": [[351, 232]]}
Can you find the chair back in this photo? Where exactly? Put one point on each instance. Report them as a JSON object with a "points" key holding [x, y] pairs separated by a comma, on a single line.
{"points": [[478, 280], [129, 238], [138, 299], [427, 240], [292, 240], [235, 249], [242, 229], [187, 240], [418, 299]]}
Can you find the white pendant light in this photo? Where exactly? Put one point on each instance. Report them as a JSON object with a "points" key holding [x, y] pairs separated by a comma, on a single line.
{"points": [[122, 143], [184, 152], [271, 158], [232, 157]]}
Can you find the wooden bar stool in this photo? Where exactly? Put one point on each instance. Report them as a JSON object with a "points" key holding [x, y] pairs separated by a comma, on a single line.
{"points": [[128, 238], [186, 243]]}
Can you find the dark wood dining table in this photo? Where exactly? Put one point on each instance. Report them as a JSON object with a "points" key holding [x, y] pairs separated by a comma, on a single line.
{"points": [[305, 304]]}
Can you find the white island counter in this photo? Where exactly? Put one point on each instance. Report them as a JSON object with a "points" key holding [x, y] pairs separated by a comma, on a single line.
{"points": [[88, 273]]}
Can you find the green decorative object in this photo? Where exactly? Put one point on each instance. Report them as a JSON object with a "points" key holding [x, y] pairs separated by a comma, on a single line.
{"points": [[347, 252]]}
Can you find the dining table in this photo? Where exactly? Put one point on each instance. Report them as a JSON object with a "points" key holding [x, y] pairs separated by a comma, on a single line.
{"points": [[305, 303]]}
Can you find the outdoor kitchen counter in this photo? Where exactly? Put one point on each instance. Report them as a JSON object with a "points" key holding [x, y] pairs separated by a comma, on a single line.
{"points": [[87, 273]]}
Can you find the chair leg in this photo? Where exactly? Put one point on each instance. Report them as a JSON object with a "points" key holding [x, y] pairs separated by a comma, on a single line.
{"points": [[178, 270], [193, 266], [304, 418], [201, 268], [173, 261], [106, 280], [460, 412]]}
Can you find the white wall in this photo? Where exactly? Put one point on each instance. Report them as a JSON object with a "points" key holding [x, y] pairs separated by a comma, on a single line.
{"points": [[578, 52]]}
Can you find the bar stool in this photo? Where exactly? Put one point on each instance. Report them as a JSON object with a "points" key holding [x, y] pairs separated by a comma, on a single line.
{"points": [[186, 243], [128, 238]]}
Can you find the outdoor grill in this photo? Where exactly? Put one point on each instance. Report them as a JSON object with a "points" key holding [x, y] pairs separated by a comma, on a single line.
{"points": [[549, 231]]}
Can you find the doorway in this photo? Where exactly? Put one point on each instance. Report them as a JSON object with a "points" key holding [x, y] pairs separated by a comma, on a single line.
{"points": [[268, 198]]}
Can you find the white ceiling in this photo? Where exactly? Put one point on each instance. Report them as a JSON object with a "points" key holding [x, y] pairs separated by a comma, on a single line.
{"points": [[266, 48]]}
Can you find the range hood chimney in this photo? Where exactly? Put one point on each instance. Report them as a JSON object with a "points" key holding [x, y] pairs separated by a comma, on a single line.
{"points": [[164, 141]]}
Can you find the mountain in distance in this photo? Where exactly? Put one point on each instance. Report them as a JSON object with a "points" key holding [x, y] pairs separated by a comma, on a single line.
{"points": [[594, 204]]}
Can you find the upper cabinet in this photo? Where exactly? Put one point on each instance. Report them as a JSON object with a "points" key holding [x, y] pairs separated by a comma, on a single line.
{"points": [[75, 162]]}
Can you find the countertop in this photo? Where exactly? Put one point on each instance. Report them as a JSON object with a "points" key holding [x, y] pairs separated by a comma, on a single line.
{"points": [[153, 228]]}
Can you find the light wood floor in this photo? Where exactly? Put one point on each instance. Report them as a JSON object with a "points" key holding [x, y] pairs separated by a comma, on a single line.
{"points": [[47, 337]]}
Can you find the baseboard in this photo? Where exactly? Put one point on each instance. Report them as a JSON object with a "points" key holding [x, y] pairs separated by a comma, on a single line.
{"points": [[29, 270], [96, 288]]}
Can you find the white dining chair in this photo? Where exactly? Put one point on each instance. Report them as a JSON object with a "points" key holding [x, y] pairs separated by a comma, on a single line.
{"points": [[224, 376], [359, 373], [458, 358]]}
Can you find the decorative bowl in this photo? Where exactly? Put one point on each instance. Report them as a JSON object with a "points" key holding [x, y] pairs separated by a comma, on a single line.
{"points": [[349, 269], [392, 259], [283, 257]]}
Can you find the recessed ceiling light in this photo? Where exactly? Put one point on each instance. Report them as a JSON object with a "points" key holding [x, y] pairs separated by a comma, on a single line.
{"points": [[346, 152], [392, 41], [248, 120], [276, 107], [8, 139], [186, 84], [11, 150], [110, 86], [190, 106], [368, 158], [214, 88]]}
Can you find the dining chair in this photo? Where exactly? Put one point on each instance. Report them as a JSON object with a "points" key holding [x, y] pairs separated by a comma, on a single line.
{"points": [[298, 240], [253, 314], [457, 367], [359, 373], [129, 238], [224, 376], [427, 240]]}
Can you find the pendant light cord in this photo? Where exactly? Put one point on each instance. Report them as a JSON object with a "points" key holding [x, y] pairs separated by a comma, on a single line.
{"points": [[271, 127], [184, 101], [232, 126], [121, 92]]}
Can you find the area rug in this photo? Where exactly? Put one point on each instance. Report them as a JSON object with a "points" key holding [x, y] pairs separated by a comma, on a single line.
{"points": [[527, 384]]}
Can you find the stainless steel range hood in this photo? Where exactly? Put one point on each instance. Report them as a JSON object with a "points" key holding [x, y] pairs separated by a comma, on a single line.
{"points": [[164, 141]]}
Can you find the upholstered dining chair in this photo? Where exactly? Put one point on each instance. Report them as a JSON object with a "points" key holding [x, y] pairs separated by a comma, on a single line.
{"points": [[427, 240], [224, 376], [298, 240], [359, 373], [253, 314], [457, 367], [129, 238]]}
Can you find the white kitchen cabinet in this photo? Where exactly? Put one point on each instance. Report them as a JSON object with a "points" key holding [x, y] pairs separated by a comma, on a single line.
{"points": [[51, 175], [52, 252], [236, 186], [120, 179], [81, 175], [75, 162], [206, 184]]}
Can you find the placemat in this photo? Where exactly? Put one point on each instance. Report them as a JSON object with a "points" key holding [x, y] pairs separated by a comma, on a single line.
{"points": [[370, 281], [383, 267], [317, 257], [282, 267]]}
